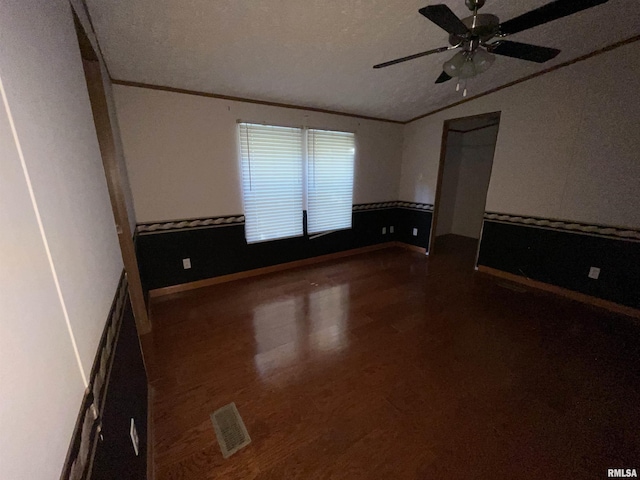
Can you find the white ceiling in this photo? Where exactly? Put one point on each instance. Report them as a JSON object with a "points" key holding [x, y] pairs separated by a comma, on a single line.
{"points": [[320, 53]]}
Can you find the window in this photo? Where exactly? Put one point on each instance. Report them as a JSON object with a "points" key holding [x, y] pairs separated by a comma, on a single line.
{"points": [[277, 162], [271, 159], [329, 180]]}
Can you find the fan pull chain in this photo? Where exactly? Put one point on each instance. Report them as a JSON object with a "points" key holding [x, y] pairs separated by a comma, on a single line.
{"points": [[464, 87]]}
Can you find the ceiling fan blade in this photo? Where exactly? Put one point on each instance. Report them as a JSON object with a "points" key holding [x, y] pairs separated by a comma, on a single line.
{"points": [[443, 78], [411, 57], [546, 13], [524, 51], [442, 16]]}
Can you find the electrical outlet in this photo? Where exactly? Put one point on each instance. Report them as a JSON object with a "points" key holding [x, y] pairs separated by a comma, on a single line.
{"points": [[594, 272], [186, 263], [133, 433], [384, 230], [391, 230], [415, 232]]}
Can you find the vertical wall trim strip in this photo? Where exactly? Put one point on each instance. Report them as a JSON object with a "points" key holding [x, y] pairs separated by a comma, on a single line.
{"points": [[42, 232]]}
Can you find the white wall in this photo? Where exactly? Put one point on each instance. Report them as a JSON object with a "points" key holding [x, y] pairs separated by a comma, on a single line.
{"points": [[567, 146], [449, 185], [46, 90], [473, 180], [181, 151], [41, 383], [467, 169]]}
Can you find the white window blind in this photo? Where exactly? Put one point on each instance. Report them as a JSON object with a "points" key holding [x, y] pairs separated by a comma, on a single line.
{"points": [[272, 159], [329, 180]]}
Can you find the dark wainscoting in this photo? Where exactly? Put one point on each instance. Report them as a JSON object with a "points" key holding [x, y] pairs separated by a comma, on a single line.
{"points": [[561, 253], [217, 246], [407, 220], [126, 399], [101, 447]]}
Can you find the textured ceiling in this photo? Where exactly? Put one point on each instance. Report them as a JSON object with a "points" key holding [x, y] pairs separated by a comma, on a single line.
{"points": [[319, 53]]}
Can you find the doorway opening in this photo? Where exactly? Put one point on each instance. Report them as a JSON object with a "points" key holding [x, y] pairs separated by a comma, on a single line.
{"points": [[466, 160]]}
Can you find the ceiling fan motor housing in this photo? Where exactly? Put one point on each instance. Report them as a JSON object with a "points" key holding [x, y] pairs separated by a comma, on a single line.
{"points": [[486, 27], [474, 4]]}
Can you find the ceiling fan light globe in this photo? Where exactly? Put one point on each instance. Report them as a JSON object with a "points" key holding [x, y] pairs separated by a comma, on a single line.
{"points": [[450, 69], [482, 60], [468, 70], [453, 66]]}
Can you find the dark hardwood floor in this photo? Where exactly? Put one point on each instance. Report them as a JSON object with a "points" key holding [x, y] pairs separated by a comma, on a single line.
{"points": [[393, 365]]}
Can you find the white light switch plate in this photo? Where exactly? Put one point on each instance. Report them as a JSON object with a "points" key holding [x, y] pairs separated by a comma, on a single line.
{"points": [[415, 232], [186, 263], [384, 230], [594, 272], [391, 229]]}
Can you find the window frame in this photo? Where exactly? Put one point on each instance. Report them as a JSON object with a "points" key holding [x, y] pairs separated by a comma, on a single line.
{"points": [[305, 177]]}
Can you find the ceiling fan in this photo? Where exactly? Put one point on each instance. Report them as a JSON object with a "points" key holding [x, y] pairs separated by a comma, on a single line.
{"points": [[480, 36]]}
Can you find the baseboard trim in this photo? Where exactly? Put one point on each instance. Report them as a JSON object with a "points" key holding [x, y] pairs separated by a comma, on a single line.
{"points": [[413, 248], [564, 292], [183, 287]]}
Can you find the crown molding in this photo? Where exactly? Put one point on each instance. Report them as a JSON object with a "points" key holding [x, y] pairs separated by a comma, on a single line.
{"points": [[249, 100]]}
